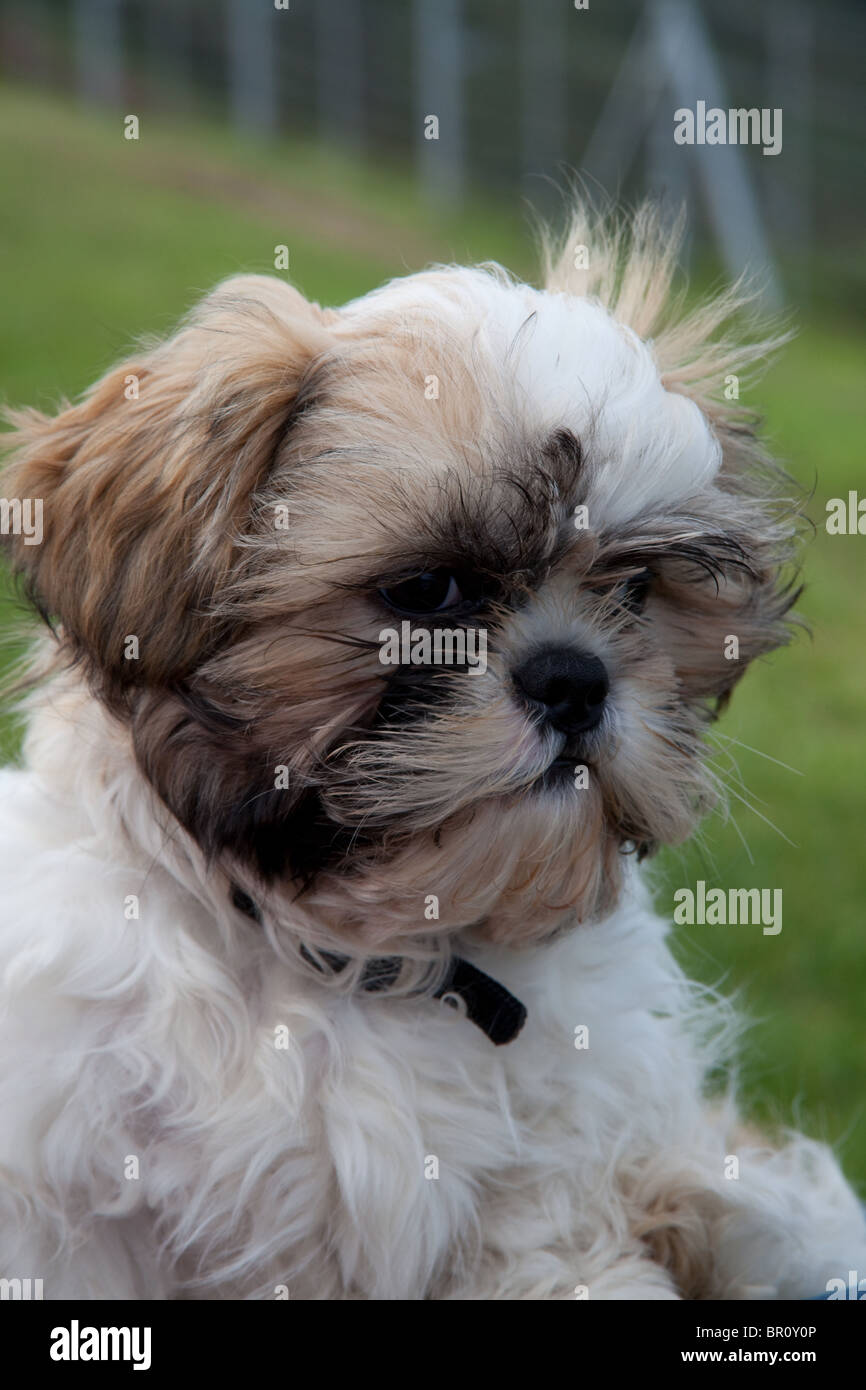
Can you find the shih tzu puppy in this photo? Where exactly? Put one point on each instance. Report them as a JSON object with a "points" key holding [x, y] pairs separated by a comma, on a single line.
{"points": [[328, 967]]}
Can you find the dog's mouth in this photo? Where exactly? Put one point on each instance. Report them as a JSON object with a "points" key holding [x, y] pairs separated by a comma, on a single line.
{"points": [[335, 828], [563, 771], [575, 756], [570, 758]]}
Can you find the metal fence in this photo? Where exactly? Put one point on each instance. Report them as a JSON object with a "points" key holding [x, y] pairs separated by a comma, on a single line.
{"points": [[511, 96]]}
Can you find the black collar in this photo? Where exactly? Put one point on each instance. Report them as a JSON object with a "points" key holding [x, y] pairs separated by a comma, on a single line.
{"points": [[489, 1005]]}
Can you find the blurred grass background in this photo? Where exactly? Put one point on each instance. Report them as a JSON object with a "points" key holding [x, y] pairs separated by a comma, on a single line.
{"points": [[103, 240]]}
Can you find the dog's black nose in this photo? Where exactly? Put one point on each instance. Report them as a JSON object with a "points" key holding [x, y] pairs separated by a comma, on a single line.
{"points": [[567, 687]]}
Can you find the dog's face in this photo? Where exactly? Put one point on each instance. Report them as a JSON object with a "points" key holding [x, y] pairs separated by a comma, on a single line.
{"points": [[282, 485]]}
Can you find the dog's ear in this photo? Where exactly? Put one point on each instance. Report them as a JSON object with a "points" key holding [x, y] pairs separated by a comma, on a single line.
{"points": [[730, 604], [146, 484]]}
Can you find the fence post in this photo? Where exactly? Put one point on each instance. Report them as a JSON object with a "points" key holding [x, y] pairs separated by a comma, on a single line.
{"points": [[790, 36], [339, 59], [99, 50], [251, 39], [438, 41], [543, 44]]}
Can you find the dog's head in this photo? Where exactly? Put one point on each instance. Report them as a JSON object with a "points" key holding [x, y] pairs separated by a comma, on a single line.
{"points": [[250, 528]]}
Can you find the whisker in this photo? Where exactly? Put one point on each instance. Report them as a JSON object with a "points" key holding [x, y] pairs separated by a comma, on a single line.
{"points": [[718, 734], [755, 812], [744, 842]]}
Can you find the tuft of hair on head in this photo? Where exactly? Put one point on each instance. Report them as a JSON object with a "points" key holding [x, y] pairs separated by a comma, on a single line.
{"points": [[630, 267]]}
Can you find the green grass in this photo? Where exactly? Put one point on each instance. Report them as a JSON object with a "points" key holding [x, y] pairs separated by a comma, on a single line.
{"points": [[104, 240]]}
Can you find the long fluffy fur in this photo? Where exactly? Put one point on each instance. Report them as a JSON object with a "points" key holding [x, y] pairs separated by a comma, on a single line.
{"points": [[188, 1107]]}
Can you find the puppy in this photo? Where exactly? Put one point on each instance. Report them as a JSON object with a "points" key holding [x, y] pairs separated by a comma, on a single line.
{"points": [[329, 976]]}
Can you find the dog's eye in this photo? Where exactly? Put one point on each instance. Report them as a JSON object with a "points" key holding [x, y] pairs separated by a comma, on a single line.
{"points": [[635, 591], [434, 591], [630, 593]]}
